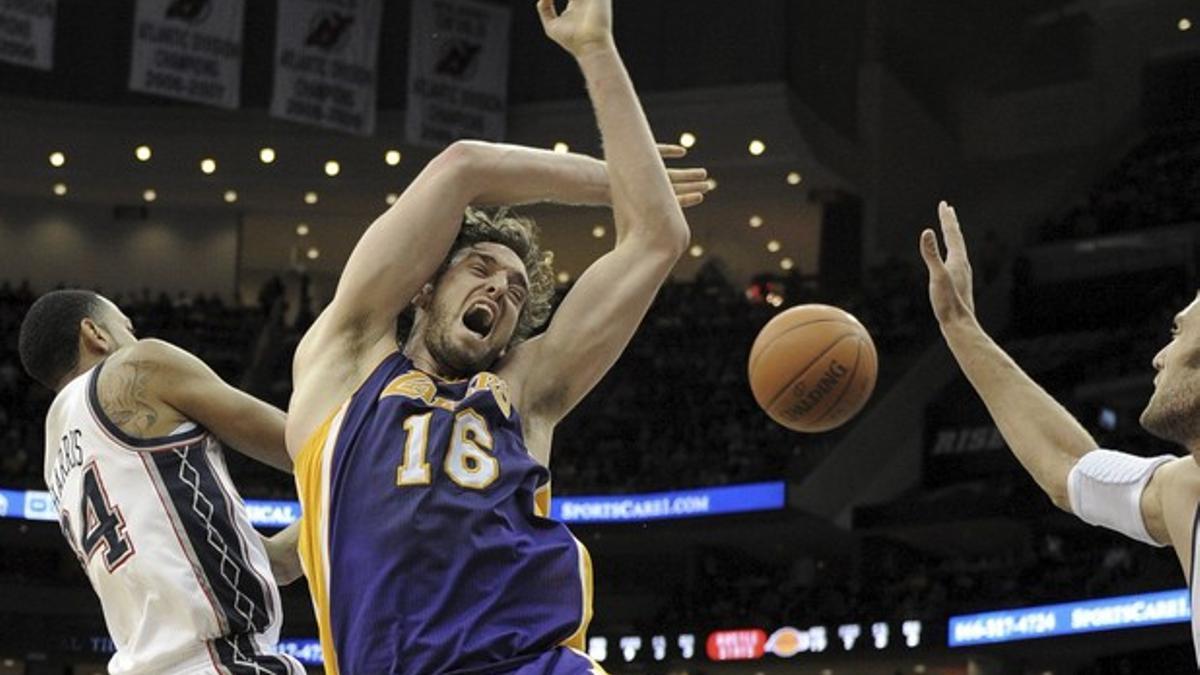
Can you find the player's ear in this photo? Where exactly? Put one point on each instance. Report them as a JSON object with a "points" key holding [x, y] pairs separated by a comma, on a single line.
{"points": [[94, 338], [423, 297]]}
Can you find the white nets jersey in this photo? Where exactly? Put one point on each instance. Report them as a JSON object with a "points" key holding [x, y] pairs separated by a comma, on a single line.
{"points": [[183, 578]]}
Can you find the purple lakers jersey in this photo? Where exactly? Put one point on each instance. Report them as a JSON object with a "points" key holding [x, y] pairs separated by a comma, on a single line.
{"points": [[426, 537]]}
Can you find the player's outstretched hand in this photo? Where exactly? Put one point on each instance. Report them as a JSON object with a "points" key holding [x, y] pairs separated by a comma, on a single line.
{"points": [[690, 184], [584, 25], [950, 287]]}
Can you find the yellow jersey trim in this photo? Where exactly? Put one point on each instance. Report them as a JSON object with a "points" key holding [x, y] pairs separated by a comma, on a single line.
{"points": [[578, 639], [312, 486]]}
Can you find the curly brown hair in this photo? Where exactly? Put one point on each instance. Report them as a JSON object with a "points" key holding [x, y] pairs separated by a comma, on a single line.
{"points": [[503, 226]]}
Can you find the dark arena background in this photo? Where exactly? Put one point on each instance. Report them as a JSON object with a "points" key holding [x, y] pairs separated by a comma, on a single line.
{"points": [[215, 187]]}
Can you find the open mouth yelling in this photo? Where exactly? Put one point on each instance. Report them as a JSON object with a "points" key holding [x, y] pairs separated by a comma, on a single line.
{"points": [[480, 318]]}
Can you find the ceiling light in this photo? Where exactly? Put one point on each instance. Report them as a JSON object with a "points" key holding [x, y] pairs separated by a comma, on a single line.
{"points": [[773, 246], [302, 229], [57, 159], [757, 147], [392, 157], [332, 168], [391, 198], [310, 197], [208, 165], [598, 231], [150, 195], [787, 263], [231, 196], [143, 153], [60, 189], [313, 253], [687, 139], [794, 178], [561, 147], [564, 276], [756, 221], [696, 250], [266, 155]]}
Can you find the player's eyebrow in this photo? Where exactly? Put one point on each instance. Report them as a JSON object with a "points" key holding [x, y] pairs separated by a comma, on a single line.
{"points": [[514, 276]]}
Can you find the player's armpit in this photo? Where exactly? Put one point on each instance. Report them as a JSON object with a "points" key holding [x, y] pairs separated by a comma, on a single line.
{"points": [[553, 372], [191, 388], [1152, 502], [1169, 504]]}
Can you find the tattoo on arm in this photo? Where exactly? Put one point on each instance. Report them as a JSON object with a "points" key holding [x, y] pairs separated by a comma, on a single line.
{"points": [[126, 400]]}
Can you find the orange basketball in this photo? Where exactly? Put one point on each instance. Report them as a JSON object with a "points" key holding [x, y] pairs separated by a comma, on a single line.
{"points": [[813, 367]]}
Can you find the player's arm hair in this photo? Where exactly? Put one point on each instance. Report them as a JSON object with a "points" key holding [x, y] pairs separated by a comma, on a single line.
{"points": [[1045, 438], [186, 384], [598, 317], [404, 247]]}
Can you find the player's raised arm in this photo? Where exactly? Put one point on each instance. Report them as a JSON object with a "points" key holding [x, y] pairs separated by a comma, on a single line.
{"points": [[601, 313], [154, 380], [403, 248], [1109, 488]]}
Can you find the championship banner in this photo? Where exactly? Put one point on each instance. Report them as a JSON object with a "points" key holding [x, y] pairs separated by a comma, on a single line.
{"points": [[27, 32], [325, 63], [189, 50], [457, 72]]}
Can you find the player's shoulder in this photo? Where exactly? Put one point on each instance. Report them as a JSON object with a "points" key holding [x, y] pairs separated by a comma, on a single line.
{"points": [[148, 351], [150, 363]]}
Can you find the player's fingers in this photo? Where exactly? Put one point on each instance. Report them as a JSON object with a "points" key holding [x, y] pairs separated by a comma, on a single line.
{"points": [[547, 10], [687, 175], [951, 230], [686, 188], [671, 151], [690, 199], [931, 254]]}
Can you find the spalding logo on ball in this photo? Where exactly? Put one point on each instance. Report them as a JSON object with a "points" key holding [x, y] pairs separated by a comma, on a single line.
{"points": [[813, 367]]}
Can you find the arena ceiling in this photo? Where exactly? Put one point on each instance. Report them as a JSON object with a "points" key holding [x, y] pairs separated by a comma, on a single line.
{"points": [[728, 70]]}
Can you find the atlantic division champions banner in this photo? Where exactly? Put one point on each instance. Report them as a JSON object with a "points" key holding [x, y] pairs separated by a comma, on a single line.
{"points": [[457, 72], [325, 63], [189, 50], [27, 32]]}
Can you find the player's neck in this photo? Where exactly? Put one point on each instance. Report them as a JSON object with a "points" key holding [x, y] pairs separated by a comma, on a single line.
{"points": [[86, 362], [423, 360]]}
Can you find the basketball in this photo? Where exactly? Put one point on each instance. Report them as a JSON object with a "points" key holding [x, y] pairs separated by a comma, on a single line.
{"points": [[813, 367]]}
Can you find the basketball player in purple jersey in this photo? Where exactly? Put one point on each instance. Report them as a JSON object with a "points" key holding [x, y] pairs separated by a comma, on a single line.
{"points": [[1151, 499], [422, 466], [138, 477]]}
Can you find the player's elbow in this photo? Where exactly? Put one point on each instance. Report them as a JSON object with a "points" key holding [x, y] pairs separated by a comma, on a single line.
{"points": [[1060, 497], [464, 161], [666, 232], [1055, 485], [468, 151]]}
